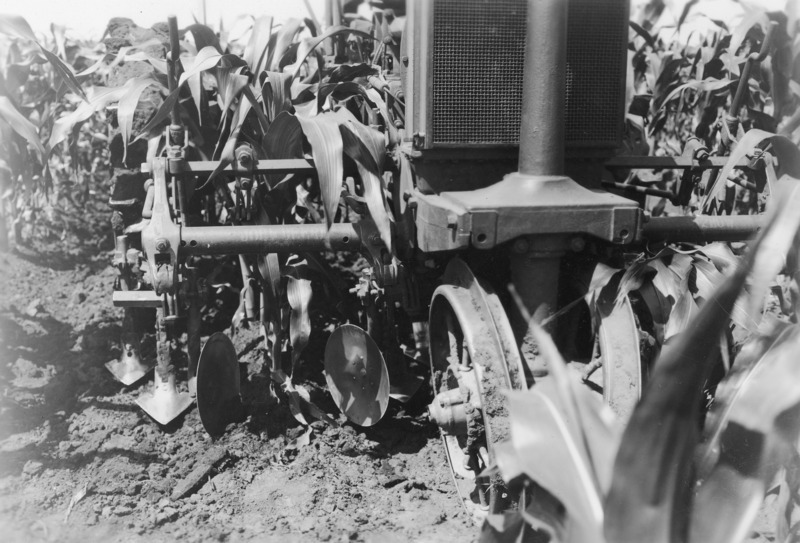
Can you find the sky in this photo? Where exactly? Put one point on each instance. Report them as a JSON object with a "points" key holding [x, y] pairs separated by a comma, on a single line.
{"points": [[88, 18]]}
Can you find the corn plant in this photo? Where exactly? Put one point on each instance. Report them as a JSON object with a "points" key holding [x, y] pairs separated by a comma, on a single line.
{"points": [[667, 476], [684, 89], [44, 191]]}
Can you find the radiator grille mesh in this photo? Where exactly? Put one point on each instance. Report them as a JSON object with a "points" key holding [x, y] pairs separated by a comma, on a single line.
{"points": [[595, 72], [478, 56], [478, 52]]}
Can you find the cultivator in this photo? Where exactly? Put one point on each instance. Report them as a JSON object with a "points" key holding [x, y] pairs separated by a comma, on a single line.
{"points": [[504, 145]]}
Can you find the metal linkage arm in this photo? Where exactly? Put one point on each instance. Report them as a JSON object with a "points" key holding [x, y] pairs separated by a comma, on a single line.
{"points": [[272, 166], [218, 240], [702, 228]]}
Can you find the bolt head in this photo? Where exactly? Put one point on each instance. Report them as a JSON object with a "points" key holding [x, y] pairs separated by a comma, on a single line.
{"points": [[577, 244], [162, 245], [521, 246]]}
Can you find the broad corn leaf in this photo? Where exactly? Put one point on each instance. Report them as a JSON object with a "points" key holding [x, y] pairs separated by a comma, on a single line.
{"points": [[230, 84], [747, 439], [284, 139], [256, 49], [21, 125], [323, 134], [762, 350], [65, 72], [592, 424], [206, 58], [161, 114], [16, 27], [298, 291], [653, 483], [127, 108], [98, 98], [549, 454], [367, 148], [276, 94], [283, 39]]}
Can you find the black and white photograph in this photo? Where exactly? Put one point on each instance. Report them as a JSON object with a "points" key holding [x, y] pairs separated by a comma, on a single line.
{"points": [[388, 271]]}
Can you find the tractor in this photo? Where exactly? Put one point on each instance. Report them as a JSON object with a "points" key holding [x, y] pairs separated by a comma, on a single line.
{"points": [[498, 189]]}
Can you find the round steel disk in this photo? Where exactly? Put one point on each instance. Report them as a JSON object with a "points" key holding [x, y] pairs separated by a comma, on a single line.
{"points": [[356, 374], [218, 399]]}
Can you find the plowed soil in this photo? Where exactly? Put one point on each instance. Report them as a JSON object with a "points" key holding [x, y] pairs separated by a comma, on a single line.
{"points": [[79, 461]]}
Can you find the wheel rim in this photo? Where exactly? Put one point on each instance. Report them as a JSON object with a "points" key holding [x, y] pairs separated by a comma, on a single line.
{"points": [[468, 374]]}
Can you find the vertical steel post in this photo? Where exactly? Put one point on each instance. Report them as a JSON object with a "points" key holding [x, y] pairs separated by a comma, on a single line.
{"points": [[535, 260], [541, 137]]}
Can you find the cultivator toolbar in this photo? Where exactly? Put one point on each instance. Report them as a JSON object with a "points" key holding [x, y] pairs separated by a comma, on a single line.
{"points": [[468, 219]]}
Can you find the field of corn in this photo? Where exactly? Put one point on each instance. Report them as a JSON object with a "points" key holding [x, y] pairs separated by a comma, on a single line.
{"points": [[710, 453]]}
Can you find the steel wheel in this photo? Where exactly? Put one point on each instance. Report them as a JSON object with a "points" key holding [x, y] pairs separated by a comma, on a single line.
{"points": [[469, 373], [618, 340], [612, 361]]}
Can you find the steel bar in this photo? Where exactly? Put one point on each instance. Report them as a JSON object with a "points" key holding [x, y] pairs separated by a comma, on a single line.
{"points": [[218, 240], [640, 189], [703, 228], [136, 298], [277, 166], [671, 162], [174, 57], [541, 136]]}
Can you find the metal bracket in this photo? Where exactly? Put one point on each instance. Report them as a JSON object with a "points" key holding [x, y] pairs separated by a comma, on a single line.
{"points": [[161, 237], [522, 205]]}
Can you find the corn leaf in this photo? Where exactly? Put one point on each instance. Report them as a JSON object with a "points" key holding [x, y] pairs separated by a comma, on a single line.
{"points": [[58, 36], [762, 349], [592, 423], [504, 528], [229, 150], [141, 56], [98, 98], [127, 108], [367, 148], [777, 243], [255, 105], [652, 485], [284, 38], [721, 255], [230, 84], [16, 27], [707, 277], [323, 134], [276, 94], [256, 49], [550, 455], [284, 139], [204, 37], [161, 114], [752, 16], [65, 73], [749, 448], [329, 33], [711, 84], [298, 291], [21, 125], [206, 58], [787, 153]]}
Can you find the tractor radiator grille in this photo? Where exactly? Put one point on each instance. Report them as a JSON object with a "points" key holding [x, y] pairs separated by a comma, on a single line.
{"points": [[478, 55]]}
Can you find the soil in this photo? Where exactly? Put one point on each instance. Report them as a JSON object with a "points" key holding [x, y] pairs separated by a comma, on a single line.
{"points": [[79, 461]]}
